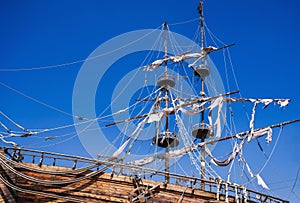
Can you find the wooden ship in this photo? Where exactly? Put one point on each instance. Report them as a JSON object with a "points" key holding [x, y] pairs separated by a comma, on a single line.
{"points": [[29, 175]]}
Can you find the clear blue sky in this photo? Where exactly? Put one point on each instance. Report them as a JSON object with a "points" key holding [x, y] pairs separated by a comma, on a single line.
{"points": [[41, 33]]}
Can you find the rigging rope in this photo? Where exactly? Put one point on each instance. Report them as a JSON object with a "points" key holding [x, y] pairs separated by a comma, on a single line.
{"points": [[92, 57], [140, 126], [56, 128], [52, 182], [296, 179], [78, 61], [7, 142], [188, 142], [16, 124], [184, 22], [74, 171], [12, 186], [40, 102], [276, 142]]}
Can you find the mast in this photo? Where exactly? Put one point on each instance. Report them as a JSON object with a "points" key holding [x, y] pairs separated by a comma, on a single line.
{"points": [[202, 93], [166, 139], [167, 177]]}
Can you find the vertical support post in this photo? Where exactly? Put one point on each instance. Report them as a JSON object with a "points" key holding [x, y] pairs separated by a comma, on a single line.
{"points": [[41, 160], [74, 164]]}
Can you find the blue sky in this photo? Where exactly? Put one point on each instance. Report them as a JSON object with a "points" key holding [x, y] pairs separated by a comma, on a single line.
{"points": [[42, 33]]}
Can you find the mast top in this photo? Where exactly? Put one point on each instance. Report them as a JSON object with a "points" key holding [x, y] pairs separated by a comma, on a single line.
{"points": [[200, 10], [165, 28]]}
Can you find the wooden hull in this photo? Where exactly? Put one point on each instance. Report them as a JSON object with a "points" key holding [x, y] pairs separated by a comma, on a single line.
{"points": [[36, 182]]}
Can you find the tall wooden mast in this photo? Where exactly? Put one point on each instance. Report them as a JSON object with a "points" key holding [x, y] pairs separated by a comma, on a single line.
{"points": [[202, 93], [167, 177]]}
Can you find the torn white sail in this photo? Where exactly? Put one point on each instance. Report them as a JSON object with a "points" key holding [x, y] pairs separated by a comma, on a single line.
{"points": [[261, 132], [183, 151], [135, 134], [194, 112], [121, 149], [251, 124], [254, 134], [194, 109], [283, 102], [171, 155], [260, 181], [154, 65], [155, 117], [176, 59], [237, 148], [217, 124], [266, 102], [142, 162], [180, 58]]}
